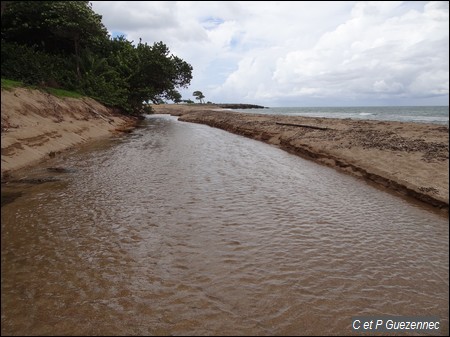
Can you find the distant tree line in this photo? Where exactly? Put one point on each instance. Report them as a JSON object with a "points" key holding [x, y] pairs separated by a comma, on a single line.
{"points": [[64, 44]]}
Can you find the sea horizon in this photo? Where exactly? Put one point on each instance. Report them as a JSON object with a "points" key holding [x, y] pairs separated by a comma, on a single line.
{"points": [[435, 114]]}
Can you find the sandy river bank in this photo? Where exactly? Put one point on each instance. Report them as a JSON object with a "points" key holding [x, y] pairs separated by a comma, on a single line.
{"points": [[410, 158], [36, 125]]}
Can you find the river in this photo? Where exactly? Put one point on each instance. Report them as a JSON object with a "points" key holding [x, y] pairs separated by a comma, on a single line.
{"points": [[183, 229]]}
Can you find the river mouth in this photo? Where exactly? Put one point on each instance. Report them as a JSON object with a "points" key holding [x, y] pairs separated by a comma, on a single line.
{"points": [[180, 228]]}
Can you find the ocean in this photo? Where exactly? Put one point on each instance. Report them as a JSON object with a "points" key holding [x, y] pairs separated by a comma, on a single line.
{"points": [[418, 114]]}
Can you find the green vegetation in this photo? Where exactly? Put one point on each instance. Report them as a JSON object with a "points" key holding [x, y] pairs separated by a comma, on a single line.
{"points": [[9, 84], [63, 45], [63, 93], [199, 96]]}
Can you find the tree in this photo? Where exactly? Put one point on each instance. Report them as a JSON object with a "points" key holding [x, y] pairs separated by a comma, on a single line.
{"points": [[4, 4], [56, 27], [102, 81], [64, 44], [198, 95], [77, 22], [156, 74], [176, 97]]}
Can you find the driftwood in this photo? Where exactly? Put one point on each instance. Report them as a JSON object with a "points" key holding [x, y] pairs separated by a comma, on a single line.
{"points": [[109, 120], [95, 112], [303, 126]]}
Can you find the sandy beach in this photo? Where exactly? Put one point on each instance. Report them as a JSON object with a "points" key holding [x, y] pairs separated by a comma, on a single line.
{"points": [[410, 158], [36, 125]]}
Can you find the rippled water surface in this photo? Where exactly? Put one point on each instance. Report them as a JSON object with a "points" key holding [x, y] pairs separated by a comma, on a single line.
{"points": [[183, 229]]}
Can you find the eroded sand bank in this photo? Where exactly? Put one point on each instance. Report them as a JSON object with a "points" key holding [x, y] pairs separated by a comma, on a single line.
{"points": [[36, 125]]}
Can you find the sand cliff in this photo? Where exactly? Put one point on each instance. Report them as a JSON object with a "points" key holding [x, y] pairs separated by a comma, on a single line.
{"points": [[36, 125]]}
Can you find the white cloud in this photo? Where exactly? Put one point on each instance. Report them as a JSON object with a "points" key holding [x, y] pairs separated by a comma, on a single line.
{"points": [[299, 53]]}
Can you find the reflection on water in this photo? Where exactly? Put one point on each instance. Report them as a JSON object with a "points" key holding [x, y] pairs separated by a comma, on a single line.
{"points": [[187, 230]]}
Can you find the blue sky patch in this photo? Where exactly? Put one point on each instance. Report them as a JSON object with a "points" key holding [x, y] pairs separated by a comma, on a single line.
{"points": [[117, 33], [211, 22]]}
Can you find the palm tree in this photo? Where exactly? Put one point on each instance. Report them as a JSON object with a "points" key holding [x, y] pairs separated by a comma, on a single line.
{"points": [[198, 95]]}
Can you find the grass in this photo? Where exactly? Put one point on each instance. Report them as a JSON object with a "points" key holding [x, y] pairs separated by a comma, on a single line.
{"points": [[10, 84], [63, 93]]}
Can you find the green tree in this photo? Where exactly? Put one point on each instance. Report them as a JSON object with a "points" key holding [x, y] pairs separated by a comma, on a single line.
{"points": [[199, 96], [64, 44], [102, 81], [77, 22], [156, 74], [4, 5], [176, 97], [56, 27]]}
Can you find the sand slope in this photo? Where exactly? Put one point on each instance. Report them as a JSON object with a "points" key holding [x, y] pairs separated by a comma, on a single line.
{"points": [[36, 125]]}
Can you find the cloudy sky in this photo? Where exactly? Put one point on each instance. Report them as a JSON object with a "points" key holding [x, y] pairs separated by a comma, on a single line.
{"points": [[276, 53]]}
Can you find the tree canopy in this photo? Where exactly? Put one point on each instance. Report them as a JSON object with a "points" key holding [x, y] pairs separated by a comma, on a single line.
{"points": [[64, 44], [199, 96]]}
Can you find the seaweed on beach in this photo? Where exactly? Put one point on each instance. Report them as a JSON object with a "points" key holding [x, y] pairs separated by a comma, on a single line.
{"points": [[388, 140]]}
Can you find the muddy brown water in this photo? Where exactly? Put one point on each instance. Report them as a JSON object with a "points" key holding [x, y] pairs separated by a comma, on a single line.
{"points": [[182, 229]]}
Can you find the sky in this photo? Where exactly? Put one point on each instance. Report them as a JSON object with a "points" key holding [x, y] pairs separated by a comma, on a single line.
{"points": [[299, 53]]}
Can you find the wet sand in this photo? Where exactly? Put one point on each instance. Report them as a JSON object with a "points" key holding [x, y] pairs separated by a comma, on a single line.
{"points": [[410, 158], [36, 126]]}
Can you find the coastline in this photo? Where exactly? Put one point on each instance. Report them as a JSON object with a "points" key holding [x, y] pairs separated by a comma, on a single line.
{"points": [[410, 158], [37, 126]]}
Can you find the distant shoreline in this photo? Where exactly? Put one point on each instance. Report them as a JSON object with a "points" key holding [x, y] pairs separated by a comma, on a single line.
{"points": [[240, 106], [416, 114], [409, 114], [411, 158]]}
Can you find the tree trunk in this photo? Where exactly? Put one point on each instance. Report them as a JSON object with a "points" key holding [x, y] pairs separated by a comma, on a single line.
{"points": [[77, 57], [4, 4]]}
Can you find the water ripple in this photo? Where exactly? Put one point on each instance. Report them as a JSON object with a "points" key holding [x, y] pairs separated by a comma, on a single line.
{"points": [[184, 229]]}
